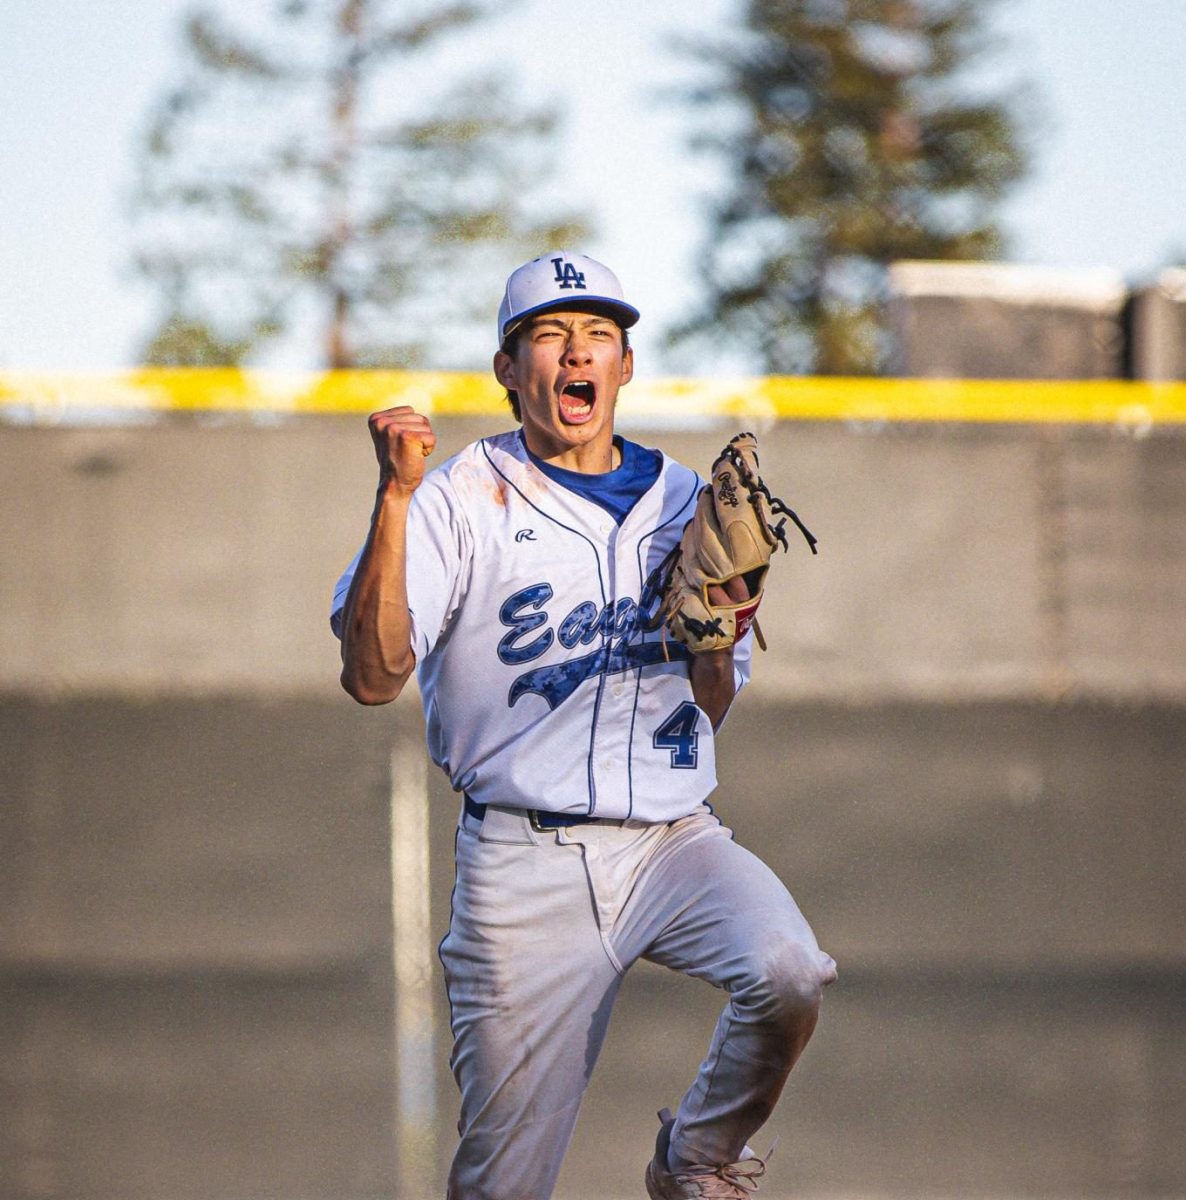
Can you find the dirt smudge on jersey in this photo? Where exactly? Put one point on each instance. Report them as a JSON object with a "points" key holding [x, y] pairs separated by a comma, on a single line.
{"points": [[477, 483]]}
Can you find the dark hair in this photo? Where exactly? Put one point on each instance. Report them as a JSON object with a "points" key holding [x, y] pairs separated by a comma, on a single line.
{"points": [[510, 347]]}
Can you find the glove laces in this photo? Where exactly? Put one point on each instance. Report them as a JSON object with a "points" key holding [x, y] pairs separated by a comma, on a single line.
{"points": [[757, 490], [733, 1181]]}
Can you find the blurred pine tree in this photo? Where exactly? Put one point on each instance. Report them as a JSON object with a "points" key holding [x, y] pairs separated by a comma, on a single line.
{"points": [[854, 138], [323, 173]]}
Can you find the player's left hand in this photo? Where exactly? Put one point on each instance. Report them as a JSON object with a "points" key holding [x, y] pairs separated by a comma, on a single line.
{"points": [[717, 574]]}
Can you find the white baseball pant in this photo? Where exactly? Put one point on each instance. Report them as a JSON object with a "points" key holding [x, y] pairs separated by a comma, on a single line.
{"points": [[544, 926]]}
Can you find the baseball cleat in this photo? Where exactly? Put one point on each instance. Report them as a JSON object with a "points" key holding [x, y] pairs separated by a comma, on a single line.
{"points": [[730, 1181]]}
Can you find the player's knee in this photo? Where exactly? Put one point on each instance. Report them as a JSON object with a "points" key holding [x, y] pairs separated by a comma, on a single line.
{"points": [[788, 983]]}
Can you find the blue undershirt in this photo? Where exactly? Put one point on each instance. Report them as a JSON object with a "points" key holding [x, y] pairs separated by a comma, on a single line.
{"points": [[616, 491]]}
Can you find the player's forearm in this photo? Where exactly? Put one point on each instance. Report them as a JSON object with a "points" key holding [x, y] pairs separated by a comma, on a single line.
{"points": [[713, 684], [377, 657]]}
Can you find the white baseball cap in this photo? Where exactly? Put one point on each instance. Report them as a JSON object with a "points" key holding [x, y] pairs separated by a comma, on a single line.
{"points": [[561, 279]]}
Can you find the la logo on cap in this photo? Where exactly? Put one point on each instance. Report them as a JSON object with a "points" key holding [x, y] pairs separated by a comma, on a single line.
{"points": [[567, 276]]}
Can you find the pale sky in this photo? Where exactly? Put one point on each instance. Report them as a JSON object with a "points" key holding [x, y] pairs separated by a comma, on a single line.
{"points": [[76, 79]]}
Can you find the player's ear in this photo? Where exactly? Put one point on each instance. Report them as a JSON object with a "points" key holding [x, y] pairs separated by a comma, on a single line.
{"points": [[504, 371], [628, 365]]}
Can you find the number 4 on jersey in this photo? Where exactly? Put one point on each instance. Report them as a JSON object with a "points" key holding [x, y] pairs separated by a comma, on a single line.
{"points": [[678, 734]]}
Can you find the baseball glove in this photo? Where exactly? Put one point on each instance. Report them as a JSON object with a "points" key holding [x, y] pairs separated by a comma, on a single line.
{"points": [[712, 582]]}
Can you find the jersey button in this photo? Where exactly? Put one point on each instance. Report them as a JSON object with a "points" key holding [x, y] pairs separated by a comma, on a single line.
{"points": [[619, 691]]}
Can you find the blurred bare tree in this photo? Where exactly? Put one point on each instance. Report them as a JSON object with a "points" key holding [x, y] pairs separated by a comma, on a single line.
{"points": [[854, 137], [323, 171]]}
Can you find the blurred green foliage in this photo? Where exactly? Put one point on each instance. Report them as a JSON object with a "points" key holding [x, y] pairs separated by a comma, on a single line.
{"points": [[327, 172], [854, 133]]}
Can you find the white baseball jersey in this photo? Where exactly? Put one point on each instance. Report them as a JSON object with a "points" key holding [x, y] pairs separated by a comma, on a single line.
{"points": [[541, 688]]}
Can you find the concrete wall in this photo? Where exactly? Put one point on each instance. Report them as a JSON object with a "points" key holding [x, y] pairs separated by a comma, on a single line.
{"points": [[1159, 327], [964, 752], [976, 320], [953, 560], [195, 949]]}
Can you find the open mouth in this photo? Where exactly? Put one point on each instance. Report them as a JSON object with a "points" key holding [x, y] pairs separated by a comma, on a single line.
{"points": [[576, 401]]}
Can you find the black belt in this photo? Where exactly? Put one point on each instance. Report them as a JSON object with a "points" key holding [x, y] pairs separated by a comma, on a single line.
{"points": [[540, 819]]}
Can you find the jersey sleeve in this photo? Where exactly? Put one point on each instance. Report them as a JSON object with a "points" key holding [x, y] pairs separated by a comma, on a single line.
{"points": [[341, 590], [439, 555]]}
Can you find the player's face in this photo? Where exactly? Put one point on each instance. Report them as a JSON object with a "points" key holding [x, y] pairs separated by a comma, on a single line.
{"points": [[567, 369]]}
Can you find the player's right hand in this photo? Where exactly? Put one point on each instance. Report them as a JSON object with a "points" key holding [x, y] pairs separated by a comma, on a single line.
{"points": [[403, 441]]}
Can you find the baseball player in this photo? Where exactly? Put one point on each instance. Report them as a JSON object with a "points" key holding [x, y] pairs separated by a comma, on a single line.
{"points": [[521, 580]]}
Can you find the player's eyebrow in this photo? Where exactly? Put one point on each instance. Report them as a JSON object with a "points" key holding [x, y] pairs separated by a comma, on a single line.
{"points": [[585, 322]]}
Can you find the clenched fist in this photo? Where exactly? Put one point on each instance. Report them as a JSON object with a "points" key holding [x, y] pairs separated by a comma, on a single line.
{"points": [[403, 440]]}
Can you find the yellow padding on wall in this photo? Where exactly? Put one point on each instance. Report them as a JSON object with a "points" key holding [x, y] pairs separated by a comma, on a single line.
{"points": [[42, 396]]}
